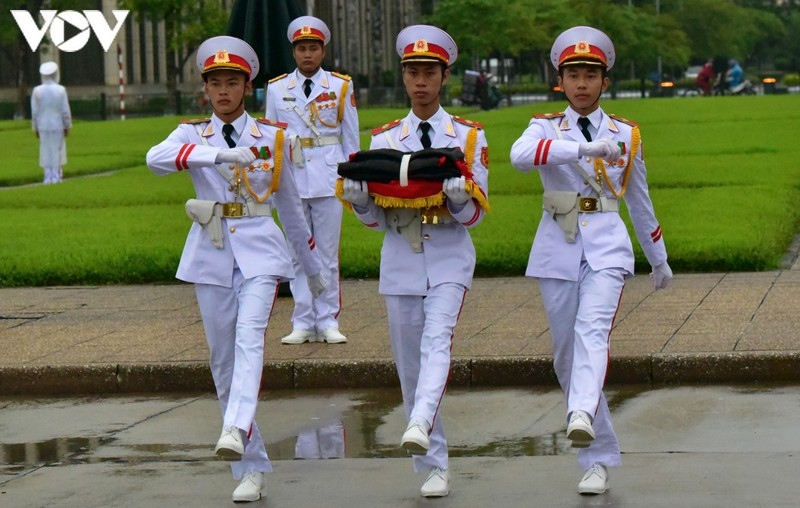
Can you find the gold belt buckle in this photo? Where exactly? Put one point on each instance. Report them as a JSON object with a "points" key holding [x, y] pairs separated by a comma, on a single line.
{"points": [[232, 210], [430, 219], [307, 142], [586, 204]]}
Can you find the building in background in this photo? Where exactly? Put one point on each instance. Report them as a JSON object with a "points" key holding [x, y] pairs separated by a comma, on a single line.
{"points": [[362, 46]]}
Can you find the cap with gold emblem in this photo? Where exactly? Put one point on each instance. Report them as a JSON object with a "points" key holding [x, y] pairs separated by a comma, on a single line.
{"points": [[582, 45], [308, 28], [426, 43], [226, 52]]}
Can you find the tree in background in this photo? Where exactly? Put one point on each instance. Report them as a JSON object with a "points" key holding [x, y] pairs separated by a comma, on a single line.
{"points": [[789, 58], [645, 32], [721, 27], [186, 25], [16, 49], [12, 42], [528, 27], [502, 28]]}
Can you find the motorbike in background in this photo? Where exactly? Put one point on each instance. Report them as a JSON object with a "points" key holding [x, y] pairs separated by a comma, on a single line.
{"points": [[744, 88]]}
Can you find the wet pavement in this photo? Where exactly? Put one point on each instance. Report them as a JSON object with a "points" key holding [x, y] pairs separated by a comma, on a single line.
{"points": [[140, 428], [694, 446], [720, 327]]}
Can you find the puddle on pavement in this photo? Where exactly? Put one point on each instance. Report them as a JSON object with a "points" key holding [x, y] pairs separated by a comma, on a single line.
{"points": [[52, 452], [355, 433]]}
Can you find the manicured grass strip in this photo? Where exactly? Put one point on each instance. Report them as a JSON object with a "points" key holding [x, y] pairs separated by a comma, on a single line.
{"points": [[723, 175]]}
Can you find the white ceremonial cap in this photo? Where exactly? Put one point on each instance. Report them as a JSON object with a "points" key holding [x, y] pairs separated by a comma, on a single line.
{"points": [[582, 45], [226, 52], [308, 28], [426, 43], [48, 68]]}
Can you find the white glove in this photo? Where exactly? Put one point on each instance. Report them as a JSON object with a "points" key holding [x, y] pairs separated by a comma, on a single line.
{"points": [[316, 284], [603, 148], [661, 275], [241, 154], [456, 190], [356, 192]]}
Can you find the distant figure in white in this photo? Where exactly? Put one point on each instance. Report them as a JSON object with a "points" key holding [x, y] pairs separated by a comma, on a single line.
{"points": [[51, 122]]}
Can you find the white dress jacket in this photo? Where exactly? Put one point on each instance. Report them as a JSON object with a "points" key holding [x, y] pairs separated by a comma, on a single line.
{"points": [[256, 244], [548, 145]]}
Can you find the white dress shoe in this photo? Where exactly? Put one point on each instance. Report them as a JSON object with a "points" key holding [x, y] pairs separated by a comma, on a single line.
{"points": [[580, 429], [594, 481], [415, 439], [437, 484], [332, 336], [299, 337], [230, 445], [249, 488]]}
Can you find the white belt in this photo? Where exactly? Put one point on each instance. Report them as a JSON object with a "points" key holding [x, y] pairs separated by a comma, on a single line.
{"points": [[246, 209], [435, 220], [588, 204], [320, 141]]}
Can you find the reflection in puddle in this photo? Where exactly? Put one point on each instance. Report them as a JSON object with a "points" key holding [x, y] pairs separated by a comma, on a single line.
{"points": [[550, 444], [326, 442], [358, 424], [53, 452]]}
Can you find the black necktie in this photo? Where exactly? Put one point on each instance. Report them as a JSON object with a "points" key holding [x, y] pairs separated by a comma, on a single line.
{"points": [[425, 138], [227, 130], [584, 123], [307, 86]]}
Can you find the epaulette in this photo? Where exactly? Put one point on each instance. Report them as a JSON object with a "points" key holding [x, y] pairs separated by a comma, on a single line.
{"points": [[342, 76], [385, 127], [468, 122], [624, 120], [276, 78], [547, 116], [195, 121], [274, 123]]}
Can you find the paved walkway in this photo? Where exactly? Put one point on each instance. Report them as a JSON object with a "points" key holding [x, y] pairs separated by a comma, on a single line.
{"points": [[722, 327]]}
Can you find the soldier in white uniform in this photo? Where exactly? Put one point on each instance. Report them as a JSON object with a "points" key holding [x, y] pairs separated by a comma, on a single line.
{"points": [[235, 254], [588, 161], [52, 121], [320, 110], [428, 258]]}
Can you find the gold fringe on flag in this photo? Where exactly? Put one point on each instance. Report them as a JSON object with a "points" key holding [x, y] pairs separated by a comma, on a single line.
{"points": [[422, 202]]}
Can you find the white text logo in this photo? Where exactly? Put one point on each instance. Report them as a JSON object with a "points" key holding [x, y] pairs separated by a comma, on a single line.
{"points": [[89, 21]]}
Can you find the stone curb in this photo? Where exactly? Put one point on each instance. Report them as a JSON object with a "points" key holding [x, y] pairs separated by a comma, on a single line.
{"points": [[656, 369]]}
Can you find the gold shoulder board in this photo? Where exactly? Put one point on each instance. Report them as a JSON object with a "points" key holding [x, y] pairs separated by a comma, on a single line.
{"points": [[468, 122], [624, 120], [342, 76], [385, 127], [195, 121], [274, 123]]}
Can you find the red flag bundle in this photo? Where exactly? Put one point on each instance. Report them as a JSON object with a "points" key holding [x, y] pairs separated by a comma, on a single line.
{"points": [[407, 179]]}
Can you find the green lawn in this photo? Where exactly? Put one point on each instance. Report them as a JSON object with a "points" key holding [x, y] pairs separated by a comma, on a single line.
{"points": [[723, 173]]}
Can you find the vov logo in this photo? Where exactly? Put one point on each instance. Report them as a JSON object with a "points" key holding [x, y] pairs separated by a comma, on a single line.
{"points": [[89, 21]]}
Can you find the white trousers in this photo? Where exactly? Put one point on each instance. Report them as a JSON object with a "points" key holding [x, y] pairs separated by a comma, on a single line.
{"points": [[324, 218], [235, 320], [421, 330], [52, 154], [580, 315], [52, 175]]}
